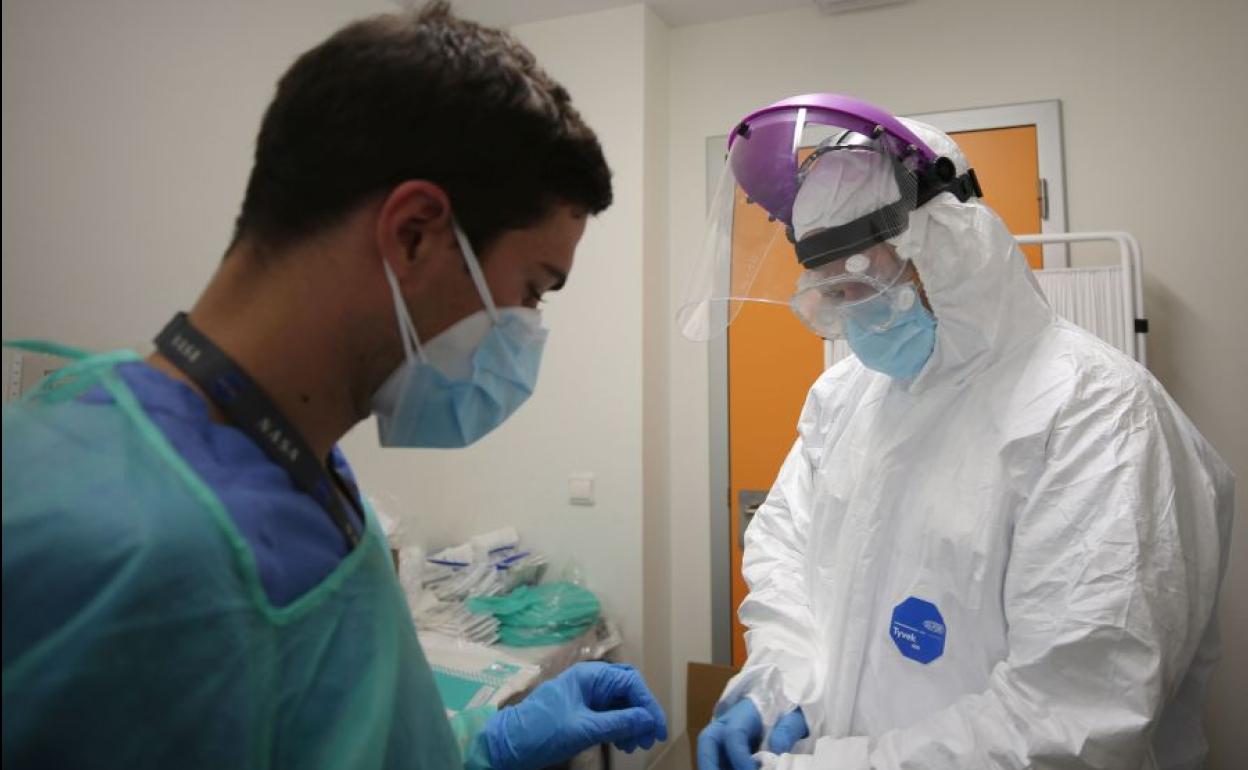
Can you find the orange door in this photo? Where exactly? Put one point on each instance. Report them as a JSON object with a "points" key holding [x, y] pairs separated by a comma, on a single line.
{"points": [[1008, 167], [773, 359]]}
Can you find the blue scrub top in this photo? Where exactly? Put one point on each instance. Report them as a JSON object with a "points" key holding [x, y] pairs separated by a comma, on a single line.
{"points": [[293, 539]]}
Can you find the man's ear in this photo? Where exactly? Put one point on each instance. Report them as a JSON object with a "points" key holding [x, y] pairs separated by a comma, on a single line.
{"points": [[414, 231]]}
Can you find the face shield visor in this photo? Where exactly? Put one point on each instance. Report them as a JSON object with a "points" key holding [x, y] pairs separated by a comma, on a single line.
{"points": [[811, 213]]}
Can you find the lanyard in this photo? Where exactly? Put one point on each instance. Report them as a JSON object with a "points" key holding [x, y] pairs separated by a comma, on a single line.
{"points": [[250, 410]]}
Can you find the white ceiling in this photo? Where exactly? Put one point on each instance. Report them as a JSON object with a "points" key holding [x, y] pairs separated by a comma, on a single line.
{"points": [[677, 13]]}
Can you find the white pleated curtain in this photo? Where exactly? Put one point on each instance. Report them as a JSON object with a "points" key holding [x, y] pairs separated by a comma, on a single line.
{"points": [[1090, 297]]}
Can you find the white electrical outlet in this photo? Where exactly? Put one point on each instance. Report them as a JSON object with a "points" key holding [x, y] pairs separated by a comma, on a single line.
{"points": [[581, 489]]}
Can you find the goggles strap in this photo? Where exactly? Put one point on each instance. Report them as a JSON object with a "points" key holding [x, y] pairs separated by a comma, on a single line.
{"points": [[852, 237]]}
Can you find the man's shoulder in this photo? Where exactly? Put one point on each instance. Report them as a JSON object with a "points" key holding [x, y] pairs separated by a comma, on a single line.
{"points": [[84, 491], [85, 501], [80, 457], [1098, 391], [1087, 369]]}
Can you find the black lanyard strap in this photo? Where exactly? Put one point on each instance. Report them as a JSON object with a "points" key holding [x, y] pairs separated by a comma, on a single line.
{"points": [[247, 407]]}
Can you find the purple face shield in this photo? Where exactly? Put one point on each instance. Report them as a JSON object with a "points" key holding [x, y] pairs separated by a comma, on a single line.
{"points": [[809, 181]]}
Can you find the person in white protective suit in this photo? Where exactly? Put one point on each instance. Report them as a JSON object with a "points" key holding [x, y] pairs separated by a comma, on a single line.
{"points": [[1005, 553]]}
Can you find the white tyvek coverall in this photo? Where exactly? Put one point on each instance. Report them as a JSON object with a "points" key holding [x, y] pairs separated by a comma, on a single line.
{"points": [[1040, 489]]}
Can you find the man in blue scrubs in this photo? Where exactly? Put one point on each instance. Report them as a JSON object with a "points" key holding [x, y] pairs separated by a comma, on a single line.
{"points": [[191, 578]]}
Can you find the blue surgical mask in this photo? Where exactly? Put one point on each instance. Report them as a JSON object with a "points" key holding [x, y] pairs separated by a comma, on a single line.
{"points": [[466, 381], [896, 336]]}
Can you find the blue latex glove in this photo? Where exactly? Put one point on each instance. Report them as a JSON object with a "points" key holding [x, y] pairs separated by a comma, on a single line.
{"points": [[589, 704], [729, 742], [789, 729]]}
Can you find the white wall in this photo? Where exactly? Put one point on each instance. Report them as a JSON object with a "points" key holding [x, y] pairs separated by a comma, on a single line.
{"points": [[128, 133], [1154, 105]]}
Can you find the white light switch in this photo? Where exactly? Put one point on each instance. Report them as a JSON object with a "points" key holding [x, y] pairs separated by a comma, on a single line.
{"points": [[581, 489]]}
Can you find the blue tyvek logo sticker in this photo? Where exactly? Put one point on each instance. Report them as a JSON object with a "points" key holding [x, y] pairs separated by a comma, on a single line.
{"points": [[918, 630]]}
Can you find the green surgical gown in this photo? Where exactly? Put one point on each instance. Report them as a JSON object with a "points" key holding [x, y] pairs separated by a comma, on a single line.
{"points": [[136, 630]]}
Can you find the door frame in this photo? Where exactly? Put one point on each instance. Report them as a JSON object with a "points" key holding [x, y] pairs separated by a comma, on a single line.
{"points": [[1046, 116], [721, 489]]}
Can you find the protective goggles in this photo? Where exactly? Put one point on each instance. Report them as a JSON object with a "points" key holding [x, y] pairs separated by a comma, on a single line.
{"points": [[872, 287], [812, 186]]}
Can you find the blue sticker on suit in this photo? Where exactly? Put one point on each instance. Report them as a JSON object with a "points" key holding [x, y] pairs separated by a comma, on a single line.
{"points": [[918, 630]]}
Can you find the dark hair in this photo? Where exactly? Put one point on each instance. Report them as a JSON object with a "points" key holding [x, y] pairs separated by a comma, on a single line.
{"points": [[421, 95]]}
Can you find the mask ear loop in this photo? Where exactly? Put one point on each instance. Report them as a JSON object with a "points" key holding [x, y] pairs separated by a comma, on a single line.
{"points": [[407, 330], [474, 269]]}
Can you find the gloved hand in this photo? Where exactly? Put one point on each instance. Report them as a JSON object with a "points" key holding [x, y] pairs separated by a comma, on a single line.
{"points": [[789, 729], [589, 704], [729, 742]]}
